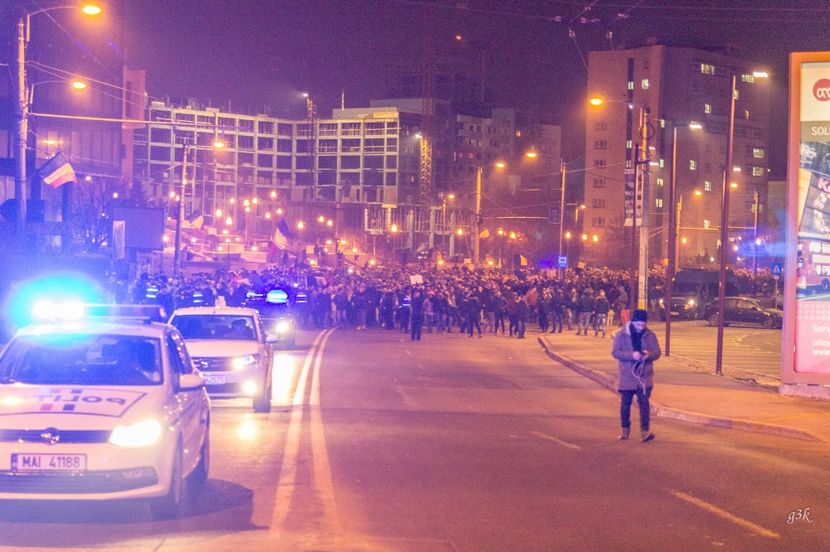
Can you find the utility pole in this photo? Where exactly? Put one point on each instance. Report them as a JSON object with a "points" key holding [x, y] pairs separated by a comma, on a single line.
{"points": [[642, 295], [672, 243], [178, 241], [562, 215], [22, 125], [477, 220]]}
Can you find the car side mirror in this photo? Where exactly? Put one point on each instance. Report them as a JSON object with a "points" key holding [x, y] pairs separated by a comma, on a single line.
{"points": [[191, 382], [269, 338]]}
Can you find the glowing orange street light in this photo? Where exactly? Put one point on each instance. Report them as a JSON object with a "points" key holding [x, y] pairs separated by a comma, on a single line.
{"points": [[273, 194], [246, 203], [247, 209], [451, 196], [233, 201], [684, 241], [394, 228], [228, 221], [78, 84], [568, 235], [584, 237], [460, 231], [329, 223], [500, 164], [218, 212], [321, 219], [268, 215], [91, 9], [218, 144], [372, 262], [531, 154], [354, 250], [513, 235], [279, 210], [733, 185], [596, 101], [300, 225], [698, 193], [595, 238]]}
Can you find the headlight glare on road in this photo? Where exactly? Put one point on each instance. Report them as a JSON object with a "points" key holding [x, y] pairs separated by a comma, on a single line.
{"points": [[139, 434], [282, 326], [240, 363]]}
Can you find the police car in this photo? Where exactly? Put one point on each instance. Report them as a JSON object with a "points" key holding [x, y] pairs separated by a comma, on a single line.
{"points": [[100, 409], [231, 349], [277, 318]]}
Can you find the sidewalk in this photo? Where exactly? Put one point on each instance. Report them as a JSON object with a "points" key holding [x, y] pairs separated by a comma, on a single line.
{"points": [[684, 392]]}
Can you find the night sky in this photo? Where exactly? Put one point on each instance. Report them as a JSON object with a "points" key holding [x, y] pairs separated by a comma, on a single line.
{"points": [[264, 53]]}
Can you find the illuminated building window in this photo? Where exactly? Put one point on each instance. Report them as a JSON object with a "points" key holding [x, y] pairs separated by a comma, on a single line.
{"points": [[628, 144], [644, 84], [758, 153], [599, 163], [600, 144], [707, 108], [746, 114], [631, 85], [658, 202], [757, 171], [659, 181], [662, 163], [707, 185], [692, 165], [598, 203], [707, 69], [706, 224], [747, 78], [598, 222]]}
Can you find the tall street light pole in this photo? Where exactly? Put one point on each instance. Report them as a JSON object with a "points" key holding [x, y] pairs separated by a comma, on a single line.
{"points": [[20, 176], [642, 284], [724, 228], [562, 216], [672, 245], [177, 254], [477, 220]]}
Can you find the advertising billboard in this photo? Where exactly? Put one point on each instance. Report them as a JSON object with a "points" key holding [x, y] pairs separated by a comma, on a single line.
{"points": [[806, 346]]}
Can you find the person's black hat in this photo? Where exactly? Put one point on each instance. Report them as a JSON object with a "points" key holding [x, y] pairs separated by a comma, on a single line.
{"points": [[639, 316]]}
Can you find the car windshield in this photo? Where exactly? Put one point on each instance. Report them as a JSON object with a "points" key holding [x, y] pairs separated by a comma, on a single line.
{"points": [[685, 288], [82, 359], [215, 326]]}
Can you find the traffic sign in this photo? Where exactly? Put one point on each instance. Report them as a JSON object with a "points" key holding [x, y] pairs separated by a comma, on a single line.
{"points": [[563, 262], [776, 270]]}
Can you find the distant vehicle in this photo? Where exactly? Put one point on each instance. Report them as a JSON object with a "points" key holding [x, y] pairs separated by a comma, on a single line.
{"points": [[744, 310], [277, 317], [232, 350], [813, 266], [692, 290], [101, 410]]}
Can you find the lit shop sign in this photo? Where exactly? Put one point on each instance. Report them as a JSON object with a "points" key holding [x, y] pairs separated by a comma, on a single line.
{"points": [[806, 350]]}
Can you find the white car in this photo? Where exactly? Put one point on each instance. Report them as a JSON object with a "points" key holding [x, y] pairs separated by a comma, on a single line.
{"points": [[102, 410], [231, 349]]}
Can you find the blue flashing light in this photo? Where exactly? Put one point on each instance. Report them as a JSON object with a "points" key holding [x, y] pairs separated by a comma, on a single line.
{"points": [[277, 297], [252, 295], [56, 297]]}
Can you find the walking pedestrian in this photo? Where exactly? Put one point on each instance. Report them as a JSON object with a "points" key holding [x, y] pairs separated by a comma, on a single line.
{"points": [[636, 348]]}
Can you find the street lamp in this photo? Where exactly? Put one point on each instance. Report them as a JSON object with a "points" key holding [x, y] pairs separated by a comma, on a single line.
{"points": [[477, 220], [23, 103]]}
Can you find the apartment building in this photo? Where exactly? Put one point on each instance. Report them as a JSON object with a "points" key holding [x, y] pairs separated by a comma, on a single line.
{"points": [[676, 86]]}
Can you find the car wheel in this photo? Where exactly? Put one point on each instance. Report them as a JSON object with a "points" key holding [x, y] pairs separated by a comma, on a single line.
{"points": [[200, 474], [169, 505], [713, 320], [262, 403]]}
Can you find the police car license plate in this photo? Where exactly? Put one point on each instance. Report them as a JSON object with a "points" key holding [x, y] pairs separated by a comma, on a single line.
{"points": [[48, 462], [214, 380]]}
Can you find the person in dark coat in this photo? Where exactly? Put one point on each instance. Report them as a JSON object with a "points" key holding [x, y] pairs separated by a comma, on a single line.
{"points": [[417, 319], [636, 348], [522, 315], [473, 307]]}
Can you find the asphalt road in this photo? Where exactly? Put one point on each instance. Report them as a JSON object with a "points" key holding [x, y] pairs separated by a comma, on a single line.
{"points": [[458, 444]]}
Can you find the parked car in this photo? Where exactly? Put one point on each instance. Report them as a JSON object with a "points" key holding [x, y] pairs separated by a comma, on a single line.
{"points": [[744, 310], [692, 289]]}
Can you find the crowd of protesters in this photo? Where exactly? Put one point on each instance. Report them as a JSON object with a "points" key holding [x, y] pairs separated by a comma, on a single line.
{"points": [[418, 301]]}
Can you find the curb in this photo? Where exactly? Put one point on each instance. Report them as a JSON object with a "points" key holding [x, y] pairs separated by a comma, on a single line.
{"points": [[661, 411]]}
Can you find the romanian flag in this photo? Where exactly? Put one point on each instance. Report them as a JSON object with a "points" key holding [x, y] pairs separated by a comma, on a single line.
{"points": [[521, 260], [57, 171]]}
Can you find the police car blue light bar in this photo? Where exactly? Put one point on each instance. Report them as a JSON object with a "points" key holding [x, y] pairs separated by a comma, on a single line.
{"points": [[277, 297]]}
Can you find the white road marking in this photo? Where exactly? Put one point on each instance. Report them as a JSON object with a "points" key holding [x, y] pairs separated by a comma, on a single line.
{"points": [[288, 467], [319, 452], [723, 514], [556, 440]]}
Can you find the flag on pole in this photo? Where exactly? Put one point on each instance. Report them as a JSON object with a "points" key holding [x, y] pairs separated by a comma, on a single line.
{"points": [[57, 171], [521, 260], [281, 234]]}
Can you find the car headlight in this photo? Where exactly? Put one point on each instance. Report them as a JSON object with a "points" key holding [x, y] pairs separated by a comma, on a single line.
{"points": [[661, 302], [283, 326], [691, 302], [240, 363], [139, 434]]}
